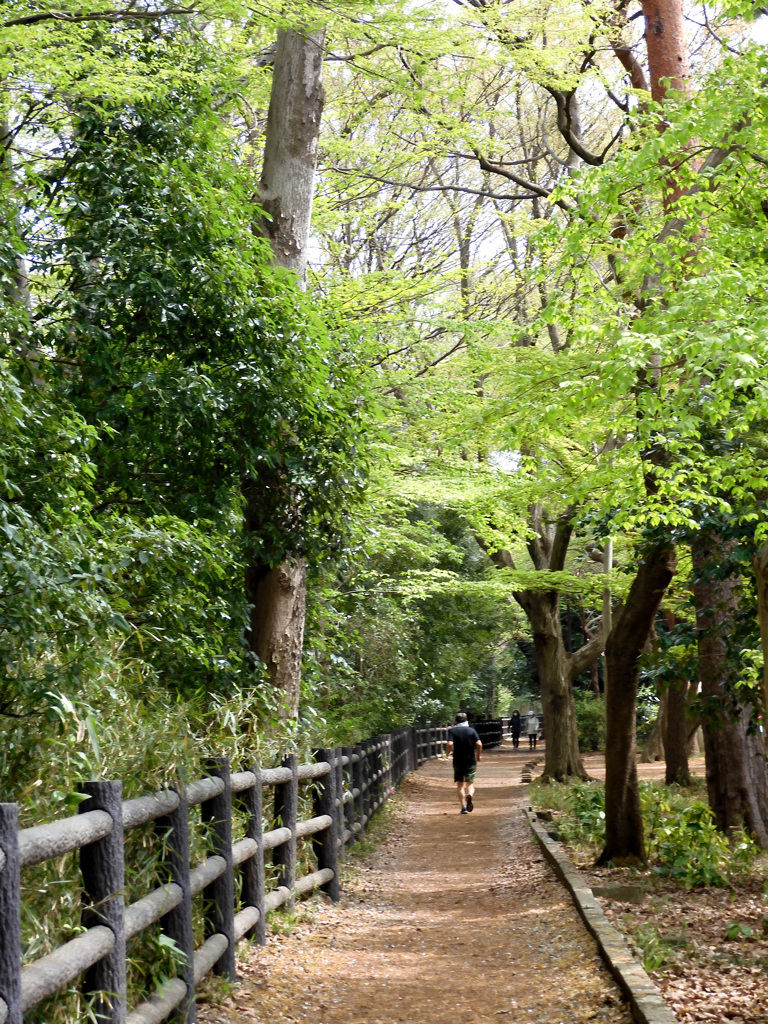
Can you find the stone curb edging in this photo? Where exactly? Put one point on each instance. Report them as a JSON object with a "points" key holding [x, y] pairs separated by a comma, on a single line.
{"points": [[645, 1000]]}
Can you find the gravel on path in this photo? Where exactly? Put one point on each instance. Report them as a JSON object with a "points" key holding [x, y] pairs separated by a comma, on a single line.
{"points": [[454, 918]]}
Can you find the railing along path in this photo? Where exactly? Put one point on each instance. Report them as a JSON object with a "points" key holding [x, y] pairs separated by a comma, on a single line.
{"points": [[351, 784]]}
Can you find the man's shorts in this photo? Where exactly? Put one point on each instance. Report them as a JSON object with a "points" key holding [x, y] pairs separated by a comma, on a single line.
{"points": [[464, 772]]}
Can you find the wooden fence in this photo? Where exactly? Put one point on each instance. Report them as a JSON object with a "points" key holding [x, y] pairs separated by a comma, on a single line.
{"points": [[350, 784]]}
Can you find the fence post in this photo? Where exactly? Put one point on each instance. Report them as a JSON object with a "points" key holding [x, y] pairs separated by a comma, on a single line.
{"points": [[253, 869], [374, 764], [414, 746], [366, 778], [102, 865], [325, 842], [177, 923], [10, 914], [378, 770], [286, 808], [357, 783], [374, 770], [220, 894], [348, 787], [338, 753]]}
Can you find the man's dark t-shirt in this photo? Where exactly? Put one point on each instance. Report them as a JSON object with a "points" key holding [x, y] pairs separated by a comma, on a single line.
{"points": [[464, 739]]}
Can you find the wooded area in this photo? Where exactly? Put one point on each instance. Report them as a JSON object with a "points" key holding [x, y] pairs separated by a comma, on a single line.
{"points": [[361, 361]]}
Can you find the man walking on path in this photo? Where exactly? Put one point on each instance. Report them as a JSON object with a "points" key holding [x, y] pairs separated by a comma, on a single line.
{"points": [[465, 745], [532, 728]]}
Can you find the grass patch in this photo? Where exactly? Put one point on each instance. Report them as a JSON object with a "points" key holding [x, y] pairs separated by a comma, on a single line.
{"points": [[376, 832], [658, 951]]}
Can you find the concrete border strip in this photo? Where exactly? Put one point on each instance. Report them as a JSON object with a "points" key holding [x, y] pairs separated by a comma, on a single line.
{"points": [[645, 1000]]}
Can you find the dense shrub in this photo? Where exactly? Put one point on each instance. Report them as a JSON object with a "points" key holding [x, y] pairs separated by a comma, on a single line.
{"points": [[590, 720], [680, 835]]}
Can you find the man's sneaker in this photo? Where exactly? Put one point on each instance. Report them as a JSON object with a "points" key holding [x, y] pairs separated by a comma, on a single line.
{"points": [[463, 809], [470, 805]]}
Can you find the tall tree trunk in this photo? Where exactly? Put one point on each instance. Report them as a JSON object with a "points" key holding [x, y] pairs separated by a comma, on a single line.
{"points": [[287, 182], [562, 756], [557, 668], [278, 594], [667, 47], [624, 843], [737, 777], [760, 568], [668, 65], [20, 282], [594, 672], [676, 728], [736, 769]]}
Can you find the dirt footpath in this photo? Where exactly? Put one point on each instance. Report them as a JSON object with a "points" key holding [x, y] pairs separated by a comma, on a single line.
{"points": [[455, 918]]}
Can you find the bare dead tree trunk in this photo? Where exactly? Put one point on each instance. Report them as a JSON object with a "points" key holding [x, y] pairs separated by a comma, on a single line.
{"points": [[737, 777], [623, 819], [278, 594]]}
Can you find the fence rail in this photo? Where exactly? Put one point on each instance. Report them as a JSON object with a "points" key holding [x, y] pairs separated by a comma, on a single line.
{"points": [[351, 784]]}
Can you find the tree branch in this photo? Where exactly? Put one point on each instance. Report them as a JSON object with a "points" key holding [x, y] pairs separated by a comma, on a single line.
{"points": [[530, 186], [561, 540], [581, 660], [428, 188], [563, 104], [109, 16], [501, 559], [631, 65]]}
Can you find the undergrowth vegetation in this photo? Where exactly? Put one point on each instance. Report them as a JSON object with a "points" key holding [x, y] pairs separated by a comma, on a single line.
{"points": [[146, 740], [680, 835]]}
